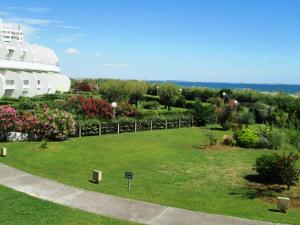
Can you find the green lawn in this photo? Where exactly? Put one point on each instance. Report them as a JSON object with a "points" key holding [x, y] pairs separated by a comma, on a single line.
{"points": [[20, 209], [169, 166]]}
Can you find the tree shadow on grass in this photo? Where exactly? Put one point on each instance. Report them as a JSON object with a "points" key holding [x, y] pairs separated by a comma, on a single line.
{"points": [[258, 188]]}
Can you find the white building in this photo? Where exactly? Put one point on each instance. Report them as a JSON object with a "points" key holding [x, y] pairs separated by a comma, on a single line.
{"points": [[27, 69]]}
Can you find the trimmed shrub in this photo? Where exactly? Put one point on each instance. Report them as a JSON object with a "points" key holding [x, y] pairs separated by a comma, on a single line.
{"points": [[151, 105], [277, 168], [247, 138]]}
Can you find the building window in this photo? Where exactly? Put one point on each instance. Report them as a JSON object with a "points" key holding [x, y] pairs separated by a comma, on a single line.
{"points": [[9, 82], [25, 82]]}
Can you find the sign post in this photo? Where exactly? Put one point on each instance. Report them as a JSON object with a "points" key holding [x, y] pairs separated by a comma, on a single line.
{"points": [[129, 176]]}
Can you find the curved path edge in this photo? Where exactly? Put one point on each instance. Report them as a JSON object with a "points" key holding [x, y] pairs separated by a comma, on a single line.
{"points": [[111, 206]]}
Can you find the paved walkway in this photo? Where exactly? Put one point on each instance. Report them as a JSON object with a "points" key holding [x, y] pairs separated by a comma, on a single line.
{"points": [[111, 206]]}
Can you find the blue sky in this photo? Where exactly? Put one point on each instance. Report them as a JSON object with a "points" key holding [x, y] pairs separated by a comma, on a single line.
{"points": [[212, 40]]}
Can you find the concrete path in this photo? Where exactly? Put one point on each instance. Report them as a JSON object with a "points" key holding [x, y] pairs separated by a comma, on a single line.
{"points": [[111, 206]]}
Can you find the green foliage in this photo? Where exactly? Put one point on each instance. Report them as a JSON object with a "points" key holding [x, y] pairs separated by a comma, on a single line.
{"points": [[153, 105], [204, 114], [264, 113], [168, 94], [202, 94], [114, 91], [44, 144], [270, 137], [212, 139], [26, 104], [262, 137], [135, 90], [247, 138], [149, 98], [293, 138], [277, 168], [247, 118]]}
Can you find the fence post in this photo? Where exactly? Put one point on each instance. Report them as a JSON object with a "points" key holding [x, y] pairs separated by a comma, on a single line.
{"points": [[192, 122], [100, 129], [118, 128], [166, 125], [179, 123], [79, 130], [151, 125], [134, 126]]}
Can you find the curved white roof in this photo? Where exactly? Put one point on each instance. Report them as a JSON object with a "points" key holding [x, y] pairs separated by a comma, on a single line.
{"points": [[3, 49], [16, 50], [13, 90], [36, 53], [28, 56], [2, 85]]}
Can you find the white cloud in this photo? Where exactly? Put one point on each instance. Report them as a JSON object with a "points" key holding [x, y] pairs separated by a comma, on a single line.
{"points": [[68, 27], [115, 64], [73, 51], [29, 9], [69, 38], [98, 54]]}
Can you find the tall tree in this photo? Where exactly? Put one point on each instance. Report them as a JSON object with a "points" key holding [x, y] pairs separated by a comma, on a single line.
{"points": [[168, 94], [113, 90], [135, 89]]}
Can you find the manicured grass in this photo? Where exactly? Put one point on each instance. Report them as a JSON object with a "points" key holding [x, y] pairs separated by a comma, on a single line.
{"points": [[169, 167], [20, 209]]}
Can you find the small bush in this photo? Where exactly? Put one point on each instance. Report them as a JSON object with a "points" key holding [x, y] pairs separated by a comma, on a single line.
{"points": [[211, 137], [228, 140], [247, 138], [151, 105], [270, 137], [44, 144], [277, 168], [293, 138]]}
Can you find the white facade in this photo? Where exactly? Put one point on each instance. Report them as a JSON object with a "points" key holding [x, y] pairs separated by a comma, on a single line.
{"points": [[27, 69], [10, 32]]}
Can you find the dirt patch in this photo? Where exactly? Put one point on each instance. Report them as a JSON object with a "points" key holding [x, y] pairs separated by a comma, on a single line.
{"points": [[268, 193]]}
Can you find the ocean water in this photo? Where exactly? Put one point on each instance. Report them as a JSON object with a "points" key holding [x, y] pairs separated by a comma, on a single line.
{"points": [[287, 88]]}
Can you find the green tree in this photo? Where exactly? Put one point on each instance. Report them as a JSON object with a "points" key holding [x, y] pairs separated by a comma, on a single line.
{"points": [[114, 90], [168, 94], [204, 114], [135, 89]]}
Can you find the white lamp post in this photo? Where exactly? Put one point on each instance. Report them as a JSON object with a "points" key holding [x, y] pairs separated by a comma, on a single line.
{"points": [[224, 95], [157, 88], [180, 90], [114, 106], [235, 105]]}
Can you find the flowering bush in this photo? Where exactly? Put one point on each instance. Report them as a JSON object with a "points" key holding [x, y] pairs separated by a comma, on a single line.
{"points": [[125, 109], [48, 124], [9, 120], [89, 107], [94, 107], [85, 86]]}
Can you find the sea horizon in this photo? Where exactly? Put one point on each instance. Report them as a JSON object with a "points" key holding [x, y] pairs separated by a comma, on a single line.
{"points": [[260, 87]]}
